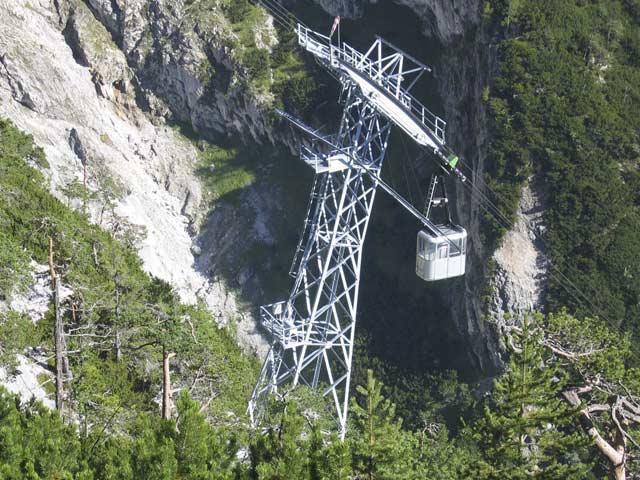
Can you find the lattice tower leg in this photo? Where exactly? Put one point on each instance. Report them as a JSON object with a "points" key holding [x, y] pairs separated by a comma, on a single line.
{"points": [[315, 343]]}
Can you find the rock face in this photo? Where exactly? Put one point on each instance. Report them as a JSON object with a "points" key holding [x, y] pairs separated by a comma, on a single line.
{"points": [[34, 302], [97, 82], [517, 285], [27, 380], [344, 8], [461, 74], [28, 375], [444, 21], [518, 282], [173, 48], [65, 81], [521, 268], [144, 168]]}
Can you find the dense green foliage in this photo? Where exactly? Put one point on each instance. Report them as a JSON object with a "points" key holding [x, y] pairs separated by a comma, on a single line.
{"points": [[513, 432], [191, 448], [564, 107], [35, 443], [129, 321], [524, 430], [279, 70], [119, 321]]}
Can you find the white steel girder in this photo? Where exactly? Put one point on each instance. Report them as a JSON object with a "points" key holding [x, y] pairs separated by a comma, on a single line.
{"points": [[313, 330]]}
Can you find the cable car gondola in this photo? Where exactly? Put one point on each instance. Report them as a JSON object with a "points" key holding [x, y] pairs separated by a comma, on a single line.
{"points": [[441, 253]]}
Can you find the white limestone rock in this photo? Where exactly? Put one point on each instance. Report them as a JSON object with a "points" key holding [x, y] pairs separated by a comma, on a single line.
{"points": [[521, 267], [35, 301], [27, 381], [147, 170]]}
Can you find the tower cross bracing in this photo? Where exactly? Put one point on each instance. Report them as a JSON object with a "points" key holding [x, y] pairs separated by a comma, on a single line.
{"points": [[313, 330]]}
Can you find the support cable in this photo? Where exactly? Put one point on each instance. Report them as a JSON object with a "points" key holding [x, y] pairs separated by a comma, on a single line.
{"points": [[288, 20], [435, 230], [404, 169], [283, 11], [504, 221], [281, 19]]}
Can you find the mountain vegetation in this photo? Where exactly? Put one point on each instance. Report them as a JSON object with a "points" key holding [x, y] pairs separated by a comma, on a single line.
{"points": [[564, 109], [122, 327], [149, 387], [529, 427]]}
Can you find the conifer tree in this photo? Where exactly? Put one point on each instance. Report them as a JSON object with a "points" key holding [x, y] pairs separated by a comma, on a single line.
{"points": [[202, 452], [379, 443], [329, 458], [153, 454], [437, 456], [526, 430], [36, 444], [192, 432], [110, 457], [281, 453]]}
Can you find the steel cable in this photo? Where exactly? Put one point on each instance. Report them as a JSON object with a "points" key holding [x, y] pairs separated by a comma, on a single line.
{"points": [[564, 281], [287, 20]]}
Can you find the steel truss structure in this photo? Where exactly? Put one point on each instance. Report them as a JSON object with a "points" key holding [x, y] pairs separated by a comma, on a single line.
{"points": [[313, 330]]}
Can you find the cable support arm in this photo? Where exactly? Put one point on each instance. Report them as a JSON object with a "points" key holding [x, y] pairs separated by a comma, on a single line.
{"points": [[433, 228]]}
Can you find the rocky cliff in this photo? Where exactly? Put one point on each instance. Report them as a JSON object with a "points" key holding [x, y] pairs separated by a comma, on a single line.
{"points": [[104, 85], [511, 279]]}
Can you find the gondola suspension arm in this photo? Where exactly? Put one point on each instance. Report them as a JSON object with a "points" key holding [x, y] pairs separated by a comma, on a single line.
{"points": [[432, 227]]}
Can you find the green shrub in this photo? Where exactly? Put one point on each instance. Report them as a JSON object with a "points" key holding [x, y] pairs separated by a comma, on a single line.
{"points": [[256, 61], [237, 10]]}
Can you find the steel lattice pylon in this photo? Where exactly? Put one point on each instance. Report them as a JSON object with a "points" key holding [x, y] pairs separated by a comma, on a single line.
{"points": [[313, 330]]}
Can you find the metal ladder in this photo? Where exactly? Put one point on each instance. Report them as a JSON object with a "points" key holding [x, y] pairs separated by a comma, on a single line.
{"points": [[432, 189], [308, 229]]}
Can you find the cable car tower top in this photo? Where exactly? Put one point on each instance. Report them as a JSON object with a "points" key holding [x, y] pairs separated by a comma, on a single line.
{"points": [[385, 75], [313, 330]]}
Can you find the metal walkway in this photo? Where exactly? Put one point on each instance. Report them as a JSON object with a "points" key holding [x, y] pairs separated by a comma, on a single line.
{"points": [[380, 73]]}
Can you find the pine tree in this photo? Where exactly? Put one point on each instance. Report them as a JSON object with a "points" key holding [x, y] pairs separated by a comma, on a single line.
{"points": [[110, 457], [153, 454], [11, 442], [202, 452], [35, 443], [192, 449], [329, 458], [526, 430], [438, 456], [379, 445], [281, 453]]}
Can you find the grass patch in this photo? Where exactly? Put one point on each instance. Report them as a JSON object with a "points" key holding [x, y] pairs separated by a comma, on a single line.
{"points": [[225, 171], [47, 383], [278, 74]]}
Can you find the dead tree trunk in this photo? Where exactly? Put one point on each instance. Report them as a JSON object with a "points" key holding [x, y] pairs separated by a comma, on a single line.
{"points": [[620, 469], [85, 195], [118, 343], [58, 332], [615, 454], [166, 384]]}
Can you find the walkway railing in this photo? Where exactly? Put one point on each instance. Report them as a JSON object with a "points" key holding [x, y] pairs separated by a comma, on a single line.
{"points": [[320, 45], [283, 322]]}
